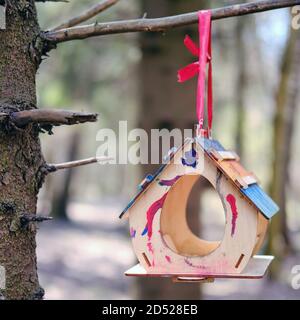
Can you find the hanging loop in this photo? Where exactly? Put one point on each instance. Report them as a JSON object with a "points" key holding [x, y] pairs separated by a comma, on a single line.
{"points": [[204, 54]]}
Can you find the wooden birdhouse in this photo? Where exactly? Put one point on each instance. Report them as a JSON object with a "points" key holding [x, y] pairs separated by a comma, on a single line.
{"points": [[162, 240]]}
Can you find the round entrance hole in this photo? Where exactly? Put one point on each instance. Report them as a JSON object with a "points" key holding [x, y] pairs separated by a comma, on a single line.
{"points": [[192, 193]]}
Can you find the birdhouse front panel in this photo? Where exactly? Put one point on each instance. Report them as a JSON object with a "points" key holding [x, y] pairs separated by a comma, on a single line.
{"points": [[162, 240]]}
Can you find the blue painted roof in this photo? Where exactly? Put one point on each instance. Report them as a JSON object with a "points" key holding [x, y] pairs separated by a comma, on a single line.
{"points": [[207, 144], [261, 200]]}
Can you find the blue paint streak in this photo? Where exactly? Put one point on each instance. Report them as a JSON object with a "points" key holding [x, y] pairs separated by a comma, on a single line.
{"points": [[145, 231], [189, 159], [133, 233]]}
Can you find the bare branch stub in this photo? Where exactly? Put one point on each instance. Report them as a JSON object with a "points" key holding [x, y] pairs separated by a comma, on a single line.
{"points": [[161, 24], [51, 117], [87, 15], [26, 219], [73, 164]]}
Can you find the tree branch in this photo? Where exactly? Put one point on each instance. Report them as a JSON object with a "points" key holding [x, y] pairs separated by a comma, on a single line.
{"points": [[25, 219], [88, 14], [51, 117], [161, 24], [77, 163]]}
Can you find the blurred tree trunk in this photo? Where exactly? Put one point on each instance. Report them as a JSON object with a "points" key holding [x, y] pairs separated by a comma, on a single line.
{"points": [[165, 104], [61, 197], [240, 85], [286, 101]]}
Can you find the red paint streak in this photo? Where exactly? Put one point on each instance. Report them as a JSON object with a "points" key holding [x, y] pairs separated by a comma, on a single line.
{"points": [[168, 259], [232, 201], [152, 211], [150, 248]]}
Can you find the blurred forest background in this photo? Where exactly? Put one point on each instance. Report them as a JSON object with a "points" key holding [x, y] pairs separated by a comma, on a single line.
{"points": [[83, 253]]}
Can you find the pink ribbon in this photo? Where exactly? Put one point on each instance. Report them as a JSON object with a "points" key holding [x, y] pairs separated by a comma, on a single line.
{"points": [[203, 52]]}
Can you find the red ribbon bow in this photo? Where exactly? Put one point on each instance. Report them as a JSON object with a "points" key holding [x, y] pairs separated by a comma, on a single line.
{"points": [[199, 67]]}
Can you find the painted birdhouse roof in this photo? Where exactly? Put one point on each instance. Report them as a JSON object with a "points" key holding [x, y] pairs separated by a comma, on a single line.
{"points": [[228, 163]]}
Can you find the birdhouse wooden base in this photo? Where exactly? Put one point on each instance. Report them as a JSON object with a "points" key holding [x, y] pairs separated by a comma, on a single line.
{"points": [[162, 240], [255, 269]]}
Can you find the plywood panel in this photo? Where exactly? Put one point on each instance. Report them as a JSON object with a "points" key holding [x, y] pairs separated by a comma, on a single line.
{"points": [[256, 269], [162, 246]]}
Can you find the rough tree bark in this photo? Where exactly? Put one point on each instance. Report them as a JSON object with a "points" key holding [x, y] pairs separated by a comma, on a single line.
{"points": [[21, 158]]}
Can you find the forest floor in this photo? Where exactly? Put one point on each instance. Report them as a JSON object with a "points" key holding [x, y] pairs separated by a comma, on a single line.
{"points": [[86, 259]]}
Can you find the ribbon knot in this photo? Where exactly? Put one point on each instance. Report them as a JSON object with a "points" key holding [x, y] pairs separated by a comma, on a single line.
{"points": [[194, 68], [203, 52]]}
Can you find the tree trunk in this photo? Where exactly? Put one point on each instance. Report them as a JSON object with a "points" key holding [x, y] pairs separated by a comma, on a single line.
{"points": [[61, 197], [286, 101], [240, 85], [21, 159], [166, 104]]}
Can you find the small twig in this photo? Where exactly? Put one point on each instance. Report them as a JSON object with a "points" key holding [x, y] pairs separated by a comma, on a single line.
{"points": [[161, 24], [25, 219], [87, 15], [77, 163], [52, 117]]}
